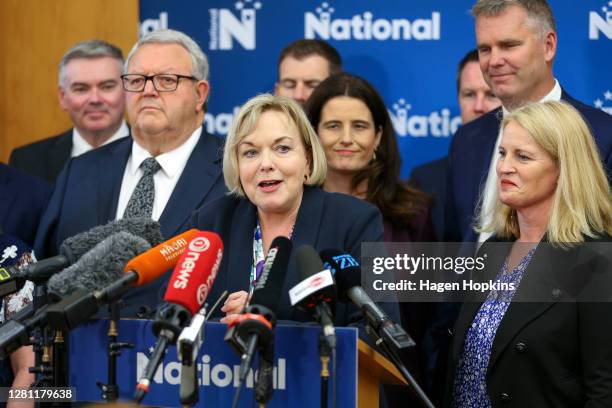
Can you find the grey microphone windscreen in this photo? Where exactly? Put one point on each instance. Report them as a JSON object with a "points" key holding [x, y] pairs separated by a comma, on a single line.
{"points": [[99, 267], [76, 246]]}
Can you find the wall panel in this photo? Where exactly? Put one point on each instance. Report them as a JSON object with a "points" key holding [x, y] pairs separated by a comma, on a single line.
{"points": [[34, 34]]}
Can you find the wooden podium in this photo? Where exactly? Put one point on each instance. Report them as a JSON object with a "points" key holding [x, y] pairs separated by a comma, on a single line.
{"points": [[374, 370]]}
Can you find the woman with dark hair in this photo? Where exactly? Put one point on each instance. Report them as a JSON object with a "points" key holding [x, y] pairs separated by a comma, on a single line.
{"points": [[363, 160]]}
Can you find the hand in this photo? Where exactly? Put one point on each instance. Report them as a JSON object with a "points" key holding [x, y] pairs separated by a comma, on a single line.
{"points": [[233, 305]]}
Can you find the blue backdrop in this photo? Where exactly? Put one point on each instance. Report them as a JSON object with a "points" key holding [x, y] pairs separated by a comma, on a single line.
{"points": [[408, 49], [295, 377]]}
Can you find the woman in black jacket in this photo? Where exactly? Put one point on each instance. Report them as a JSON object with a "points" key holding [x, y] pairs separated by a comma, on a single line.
{"points": [[548, 343]]}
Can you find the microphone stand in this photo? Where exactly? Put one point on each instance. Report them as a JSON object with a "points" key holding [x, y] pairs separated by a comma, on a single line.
{"points": [[324, 353], [41, 342], [188, 352], [60, 360], [257, 323], [188, 347], [265, 376], [188, 392], [110, 390], [389, 347]]}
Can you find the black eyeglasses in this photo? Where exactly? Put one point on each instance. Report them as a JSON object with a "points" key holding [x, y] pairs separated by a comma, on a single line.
{"points": [[161, 82]]}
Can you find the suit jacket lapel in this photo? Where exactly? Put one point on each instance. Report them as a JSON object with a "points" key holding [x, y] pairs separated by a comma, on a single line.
{"points": [[305, 231], [484, 144], [111, 167], [7, 196], [59, 153], [567, 98], [496, 253], [198, 177], [538, 291], [489, 137], [241, 259]]}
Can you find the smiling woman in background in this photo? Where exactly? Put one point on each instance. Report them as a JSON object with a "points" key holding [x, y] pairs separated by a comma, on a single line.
{"points": [[272, 165], [363, 160], [549, 343]]}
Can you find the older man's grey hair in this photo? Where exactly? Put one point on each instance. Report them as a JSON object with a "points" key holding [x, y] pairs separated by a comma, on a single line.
{"points": [[199, 62], [89, 49], [539, 13]]}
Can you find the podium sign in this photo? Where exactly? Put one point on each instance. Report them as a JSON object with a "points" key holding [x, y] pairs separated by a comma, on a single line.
{"points": [[296, 362]]}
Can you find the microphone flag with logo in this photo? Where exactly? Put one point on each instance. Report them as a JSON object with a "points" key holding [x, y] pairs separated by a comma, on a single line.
{"points": [[108, 271], [347, 273], [188, 287], [316, 292], [252, 330]]}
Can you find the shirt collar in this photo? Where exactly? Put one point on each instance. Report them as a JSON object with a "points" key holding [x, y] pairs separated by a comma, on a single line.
{"points": [[553, 95], [80, 145], [171, 162]]}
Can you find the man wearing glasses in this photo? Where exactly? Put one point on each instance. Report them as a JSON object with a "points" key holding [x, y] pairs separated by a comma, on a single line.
{"points": [[170, 168]]}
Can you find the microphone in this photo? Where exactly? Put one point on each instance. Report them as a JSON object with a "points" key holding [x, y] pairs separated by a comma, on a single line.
{"points": [[347, 273], [102, 277], [188, 348], [76, 246], [252, 329], [107, 257], [389, 336], [188, 287], [316, 293]]}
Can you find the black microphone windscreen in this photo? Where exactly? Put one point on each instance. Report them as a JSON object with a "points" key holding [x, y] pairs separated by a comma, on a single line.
{"points": [[76, 246], [308, 262], [99, 267], [272, 279], [344, 267]]}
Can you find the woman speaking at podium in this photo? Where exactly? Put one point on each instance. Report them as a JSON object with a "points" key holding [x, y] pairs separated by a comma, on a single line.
{"points": [[273, 165]]}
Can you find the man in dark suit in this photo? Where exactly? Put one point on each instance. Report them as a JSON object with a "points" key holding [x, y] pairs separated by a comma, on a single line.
{"points": [[475, 99], [167, 87], [90, 92], [517, 44], [23, 199]]}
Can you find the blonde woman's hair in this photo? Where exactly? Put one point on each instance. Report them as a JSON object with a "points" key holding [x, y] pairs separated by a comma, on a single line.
{"points": [[582, 205], [245, 123]]}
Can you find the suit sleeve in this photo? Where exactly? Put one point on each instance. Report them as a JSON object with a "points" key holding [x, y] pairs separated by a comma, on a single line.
{"points": [[40, 199], [369, 228], [451, 226], [15, 159], [366, 226], [424, 230], [46, 244], [595, 339], [28, 160]]}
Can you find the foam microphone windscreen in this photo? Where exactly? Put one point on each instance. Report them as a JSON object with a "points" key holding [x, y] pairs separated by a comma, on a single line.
{"points": [[150, 265], [269, 286], [345, 268], [76, 246], [308, 261], [99, 267], [195, 272]]}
